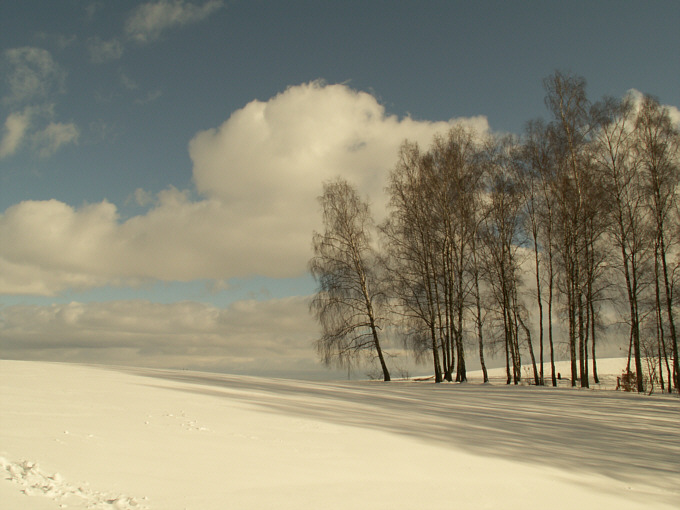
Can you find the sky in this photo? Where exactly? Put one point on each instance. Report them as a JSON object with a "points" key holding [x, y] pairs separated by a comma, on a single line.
{"points": [[160, 161]]}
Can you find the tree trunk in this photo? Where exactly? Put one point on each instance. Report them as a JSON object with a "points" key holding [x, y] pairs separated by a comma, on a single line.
{"points": [[480, 336], [531, 350], [671, 321], [461, 375], [596, 377], [550, 314], [572, 327], [540, 307], [660, 334], [383, 365], [435, 355], [507, 347], [374, 330]]}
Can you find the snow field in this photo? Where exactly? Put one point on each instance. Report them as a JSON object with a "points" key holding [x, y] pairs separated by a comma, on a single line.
{"points": [[74, 436]]}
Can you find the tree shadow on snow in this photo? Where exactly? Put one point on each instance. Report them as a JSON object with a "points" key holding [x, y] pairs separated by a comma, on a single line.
{"points": [[627, 437]]}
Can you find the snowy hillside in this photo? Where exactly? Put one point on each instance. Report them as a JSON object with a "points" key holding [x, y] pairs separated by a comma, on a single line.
{"points": [[74, 436]]}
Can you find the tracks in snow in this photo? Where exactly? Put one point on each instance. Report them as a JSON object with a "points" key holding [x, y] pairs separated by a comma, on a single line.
{"points": [[33, 481]]}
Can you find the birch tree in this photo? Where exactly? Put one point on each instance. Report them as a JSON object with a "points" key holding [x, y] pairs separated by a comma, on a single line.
{"points": [[658, 151], [501, 237], [349, 298], [411, 257], [613, 152], [567, 102]]}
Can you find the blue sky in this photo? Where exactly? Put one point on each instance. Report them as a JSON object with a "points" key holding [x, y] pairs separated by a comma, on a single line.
{"points": [[159, 160]]}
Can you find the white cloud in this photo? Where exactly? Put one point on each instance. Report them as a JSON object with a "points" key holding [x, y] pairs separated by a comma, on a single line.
{"points": [[674, 114], [24, 278], [673, 111], [143, 198], [183, 334], [177, 240], [15, 129], [149, 20], [54, 136], [259, 174], [269, 158]]}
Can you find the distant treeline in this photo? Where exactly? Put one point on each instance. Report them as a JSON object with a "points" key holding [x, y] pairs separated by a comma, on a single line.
{"points": [[491, 239]]}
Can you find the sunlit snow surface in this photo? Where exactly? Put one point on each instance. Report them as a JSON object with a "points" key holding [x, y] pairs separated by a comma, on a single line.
{"points": [[74, 436]]}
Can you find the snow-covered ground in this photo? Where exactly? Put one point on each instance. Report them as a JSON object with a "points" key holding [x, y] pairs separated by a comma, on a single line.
{"points": [[74, 436]]}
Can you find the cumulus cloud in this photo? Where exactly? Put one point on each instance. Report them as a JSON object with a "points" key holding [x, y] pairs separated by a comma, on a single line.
{"points": [[306, 134], [673, 111], [24, 278], [259, 174], [15, 128], [269, 158], [674, 114], [183, 335], [177, 240], [148, 21]]}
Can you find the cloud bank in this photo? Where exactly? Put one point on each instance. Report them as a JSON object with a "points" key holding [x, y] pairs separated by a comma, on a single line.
{"points": [[272, 337], [258, 176]]}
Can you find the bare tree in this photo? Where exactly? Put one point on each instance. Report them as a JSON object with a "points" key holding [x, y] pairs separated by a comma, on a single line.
{"points": [[658, 150], [594, 191], [500, 235], [571, 127], [540, 169], [411, 256], [612, 151], [535, 162], [345, 266], [594, 264], [430, 234], [456, 180], [479, 319]]}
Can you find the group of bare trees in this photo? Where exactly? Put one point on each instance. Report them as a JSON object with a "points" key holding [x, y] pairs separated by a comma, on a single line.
{"points": [[490, 241]]}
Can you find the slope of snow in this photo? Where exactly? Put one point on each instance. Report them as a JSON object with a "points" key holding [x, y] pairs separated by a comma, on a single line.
{"points": [[74, 436]]}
